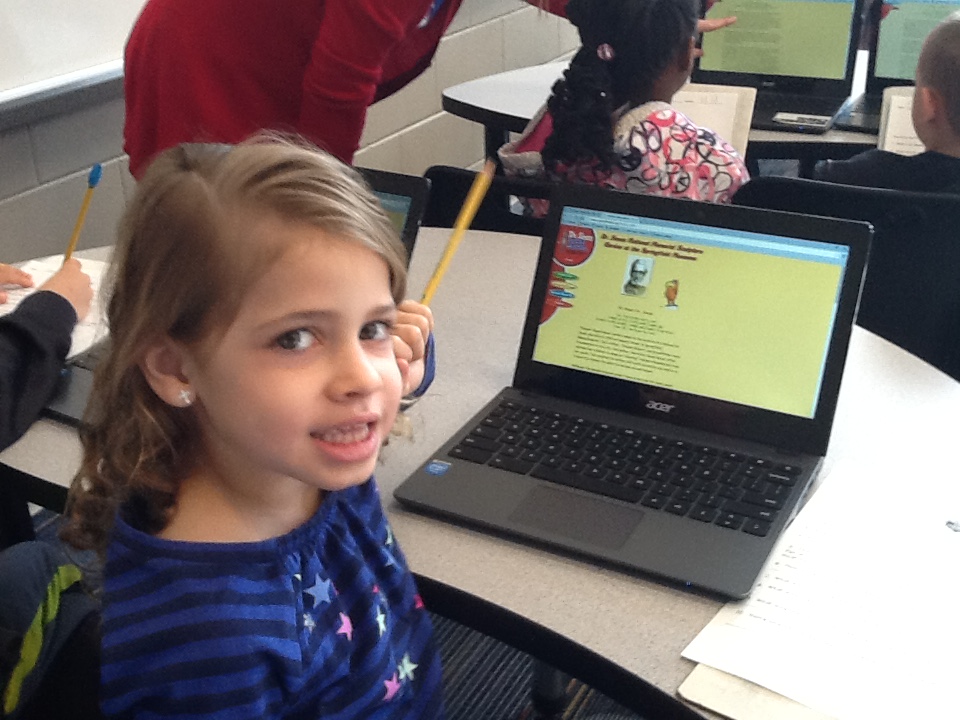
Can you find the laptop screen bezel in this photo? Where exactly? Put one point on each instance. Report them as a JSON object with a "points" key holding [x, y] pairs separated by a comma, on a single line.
{"points": [[792, 84], [415, 187], [787, 432]]}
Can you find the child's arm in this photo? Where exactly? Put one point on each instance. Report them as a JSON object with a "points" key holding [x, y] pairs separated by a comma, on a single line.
{"points": [[412, 343], [73, 285], [34, 340]]}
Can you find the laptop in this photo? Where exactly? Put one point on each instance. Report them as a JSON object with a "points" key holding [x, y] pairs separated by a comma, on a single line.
{"points": [[799, 55], [403, 197], [896, 34], [674, 388], [76, 383]]}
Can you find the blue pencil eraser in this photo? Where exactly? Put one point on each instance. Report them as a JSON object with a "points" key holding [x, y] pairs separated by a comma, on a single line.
{"points": [[95, 173]]}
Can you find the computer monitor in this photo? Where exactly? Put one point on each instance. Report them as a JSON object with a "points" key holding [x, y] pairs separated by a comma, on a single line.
{"points": [[900, 30], [784, 45]]}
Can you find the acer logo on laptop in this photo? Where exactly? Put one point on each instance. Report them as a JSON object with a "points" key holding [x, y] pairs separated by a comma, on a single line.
{"points": [[659, 406]]}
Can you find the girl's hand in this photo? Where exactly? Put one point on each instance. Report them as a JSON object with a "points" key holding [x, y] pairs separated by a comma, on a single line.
{"points": [[73, 284], [10, 275], [413, 327]]}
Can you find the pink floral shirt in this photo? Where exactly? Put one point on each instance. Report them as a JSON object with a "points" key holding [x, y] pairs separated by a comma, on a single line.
{"points": [[663, 152], [660, 151]]}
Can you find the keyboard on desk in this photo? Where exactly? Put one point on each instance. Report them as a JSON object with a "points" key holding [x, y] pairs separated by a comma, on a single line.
{"points": [[704, 483]]}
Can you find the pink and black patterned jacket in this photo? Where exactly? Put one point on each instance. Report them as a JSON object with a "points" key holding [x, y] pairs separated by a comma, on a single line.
{"points": [[659, 150]]}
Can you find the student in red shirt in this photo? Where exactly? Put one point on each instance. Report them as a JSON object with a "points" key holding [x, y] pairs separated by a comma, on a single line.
{"points": [[219, 70]]}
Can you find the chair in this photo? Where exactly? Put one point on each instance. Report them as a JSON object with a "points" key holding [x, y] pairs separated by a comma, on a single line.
{"points": [[52, 669], [449, 187], [553, 657], [911, 293]]}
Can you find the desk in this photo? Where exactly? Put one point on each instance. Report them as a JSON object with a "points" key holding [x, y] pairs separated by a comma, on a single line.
{"points": [[889, 400], [505, 102]]}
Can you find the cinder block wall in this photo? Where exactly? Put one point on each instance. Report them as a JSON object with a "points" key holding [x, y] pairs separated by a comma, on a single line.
{"points": [[409, 132], [43, 166]]}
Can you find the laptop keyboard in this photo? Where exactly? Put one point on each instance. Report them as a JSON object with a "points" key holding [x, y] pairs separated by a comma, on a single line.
{"points": [[706, 484]]}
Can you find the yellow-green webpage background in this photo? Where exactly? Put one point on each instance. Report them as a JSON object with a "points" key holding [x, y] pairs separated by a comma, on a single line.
{"points": [[745, 327]]}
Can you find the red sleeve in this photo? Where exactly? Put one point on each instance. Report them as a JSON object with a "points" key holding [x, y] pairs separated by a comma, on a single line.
{"points": [[346, 65], [557, 7]]}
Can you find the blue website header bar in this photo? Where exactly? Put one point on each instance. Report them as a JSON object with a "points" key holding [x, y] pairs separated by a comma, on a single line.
{"points": [[708, 235]]}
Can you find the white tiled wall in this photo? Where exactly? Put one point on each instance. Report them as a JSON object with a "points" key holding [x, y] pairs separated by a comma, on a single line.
{"points": [[43, 167], [409, 132], [43, 176]]}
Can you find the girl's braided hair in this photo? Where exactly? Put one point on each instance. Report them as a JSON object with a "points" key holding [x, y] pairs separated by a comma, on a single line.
{"points": [[638, 38]]}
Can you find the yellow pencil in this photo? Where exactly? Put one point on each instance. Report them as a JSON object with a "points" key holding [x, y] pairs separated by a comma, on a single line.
{"points": [[92, 180], [479, 188]]}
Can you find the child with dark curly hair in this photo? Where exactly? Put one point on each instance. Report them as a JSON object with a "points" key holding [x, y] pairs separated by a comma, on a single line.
{"points": [[609, 121]]}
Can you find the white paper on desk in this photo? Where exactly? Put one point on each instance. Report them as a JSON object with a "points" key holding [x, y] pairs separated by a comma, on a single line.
{"points": [[856, 613], [89, 330], [897, 134], [714, 110]]}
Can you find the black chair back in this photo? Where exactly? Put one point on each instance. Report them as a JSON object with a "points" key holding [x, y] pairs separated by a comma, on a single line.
{"points": [[449, 187], [911, 295]]}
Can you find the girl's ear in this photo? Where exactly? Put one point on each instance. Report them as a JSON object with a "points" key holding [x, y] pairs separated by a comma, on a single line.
{"points": [[929, 103], [164, 367]]}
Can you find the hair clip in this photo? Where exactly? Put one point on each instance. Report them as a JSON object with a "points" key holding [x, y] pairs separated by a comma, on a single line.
{"points": [[605, 52]]}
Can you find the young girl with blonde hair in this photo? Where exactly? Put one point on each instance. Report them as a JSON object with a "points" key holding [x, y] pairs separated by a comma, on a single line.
{"points": [[229, 449]]}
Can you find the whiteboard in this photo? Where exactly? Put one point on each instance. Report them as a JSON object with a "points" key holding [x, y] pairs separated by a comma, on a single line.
{"points": [[41, 40]]}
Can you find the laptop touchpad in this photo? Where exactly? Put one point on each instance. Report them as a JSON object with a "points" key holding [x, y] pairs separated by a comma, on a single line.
{"points": [[577, 517]]}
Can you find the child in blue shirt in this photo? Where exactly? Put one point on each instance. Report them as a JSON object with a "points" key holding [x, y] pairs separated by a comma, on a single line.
{"points": [[260, 351]]}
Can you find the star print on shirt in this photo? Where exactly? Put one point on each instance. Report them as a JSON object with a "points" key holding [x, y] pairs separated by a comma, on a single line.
{"points": [[346, 627], [308, 622], [392, 685], [406, 667], [381, 621], [319, 591]]}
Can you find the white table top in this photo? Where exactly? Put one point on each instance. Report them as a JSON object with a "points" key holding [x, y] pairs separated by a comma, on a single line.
{"points": [[520, 93], [889, 402]]}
